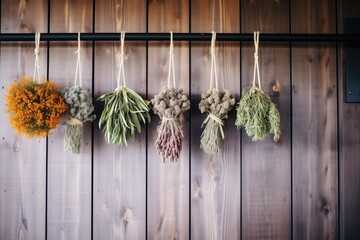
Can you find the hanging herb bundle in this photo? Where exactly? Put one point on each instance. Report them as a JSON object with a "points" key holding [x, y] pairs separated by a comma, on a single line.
{"points": [[34, 107], [80, 109], [256, 112], [216, 104], [124, 109], [169, 105]]}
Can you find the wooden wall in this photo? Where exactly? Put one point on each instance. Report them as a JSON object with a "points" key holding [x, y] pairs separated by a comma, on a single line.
{"points": [[304, 187]]}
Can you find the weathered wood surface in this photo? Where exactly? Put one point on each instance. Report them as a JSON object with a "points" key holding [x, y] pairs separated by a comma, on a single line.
{"points": [[349, 138], [125, 179], [168, 184], [215, 180], [315, 168], [266, 165], [22, 161], [69, 175], [119, 171]]}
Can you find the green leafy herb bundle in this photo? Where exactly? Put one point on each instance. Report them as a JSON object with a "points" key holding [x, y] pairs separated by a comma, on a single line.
{"points": [[124, 109], [216, 104], [123, 113], [256, 112], [258, 115], [80, 110], [169, 105]]}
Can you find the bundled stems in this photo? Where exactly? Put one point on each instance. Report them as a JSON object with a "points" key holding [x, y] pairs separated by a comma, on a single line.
{"points": [[256, 112], [123, 113], [170, 105], [80, 111], [217, 105]]}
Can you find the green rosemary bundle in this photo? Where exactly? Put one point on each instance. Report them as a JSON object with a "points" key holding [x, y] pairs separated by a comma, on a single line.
{"points": [[256, 112], [217, 105], [258, 115], [123, 112]]}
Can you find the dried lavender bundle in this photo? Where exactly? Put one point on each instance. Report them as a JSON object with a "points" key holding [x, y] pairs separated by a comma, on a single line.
{"points": [[169, 104], [80, 111], [216, 104]]}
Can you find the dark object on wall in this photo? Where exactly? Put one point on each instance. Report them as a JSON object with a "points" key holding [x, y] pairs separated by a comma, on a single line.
{"points": [[352, 61]]}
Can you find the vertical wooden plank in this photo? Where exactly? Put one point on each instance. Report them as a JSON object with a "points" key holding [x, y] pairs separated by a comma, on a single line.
{"points": [[215, 180], [349, 137], [266, 169], [120, 172], [23, 161], [168, 184], [315, 168], [69, 175]]}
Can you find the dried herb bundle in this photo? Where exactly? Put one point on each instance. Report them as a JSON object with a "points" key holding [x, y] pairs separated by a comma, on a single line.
{"points": [[34, 107], [258, 115], [217, 105], [80, 111], [124, 110], [169, 105]]}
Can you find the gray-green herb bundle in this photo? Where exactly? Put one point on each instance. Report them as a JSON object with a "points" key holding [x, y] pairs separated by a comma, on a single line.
{"points": [[80, 110], [217, 105], [169, 104], [124, 110], [258, 115]]}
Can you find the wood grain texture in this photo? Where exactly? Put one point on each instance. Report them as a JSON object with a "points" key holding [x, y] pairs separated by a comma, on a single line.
{"points": [[69, 181], [266, 165], [215, 180], [315, 168], [168, 184], [23, 161], [120, 172], [349, 145]]}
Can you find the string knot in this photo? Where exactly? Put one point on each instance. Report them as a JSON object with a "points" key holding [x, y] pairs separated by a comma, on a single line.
{"points": [[256, 60]]}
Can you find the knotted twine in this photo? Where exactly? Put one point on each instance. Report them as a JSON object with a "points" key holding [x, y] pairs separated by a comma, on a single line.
{"points": [[121, 74], [81, 108], [37, 52], [216, 104]]}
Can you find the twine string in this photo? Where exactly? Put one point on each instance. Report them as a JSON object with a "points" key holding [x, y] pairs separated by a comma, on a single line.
{"points": [[37, 53], [121, 61], [213, 71], [78, 63], [256, 60], [171, 62]]}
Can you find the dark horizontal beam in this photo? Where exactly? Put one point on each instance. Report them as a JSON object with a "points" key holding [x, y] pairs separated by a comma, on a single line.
{"points": [[272, 37]]}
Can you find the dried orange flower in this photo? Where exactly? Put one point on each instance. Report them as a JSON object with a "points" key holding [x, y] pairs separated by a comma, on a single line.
{"points": [[34, 108]]}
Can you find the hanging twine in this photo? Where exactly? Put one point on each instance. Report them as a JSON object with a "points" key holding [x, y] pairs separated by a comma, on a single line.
{"points": [[37, 52], [256, 60], [171, 62], [78, 63], [121, 61], [213, 72]]}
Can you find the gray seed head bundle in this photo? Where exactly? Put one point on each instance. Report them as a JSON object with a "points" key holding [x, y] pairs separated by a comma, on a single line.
{"points": [[80, 110], [124, 111], [169, 105], [217, 105], [258, 115]]}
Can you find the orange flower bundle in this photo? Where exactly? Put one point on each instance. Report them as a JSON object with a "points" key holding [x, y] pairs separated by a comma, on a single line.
{"points": [[34, 108]]}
